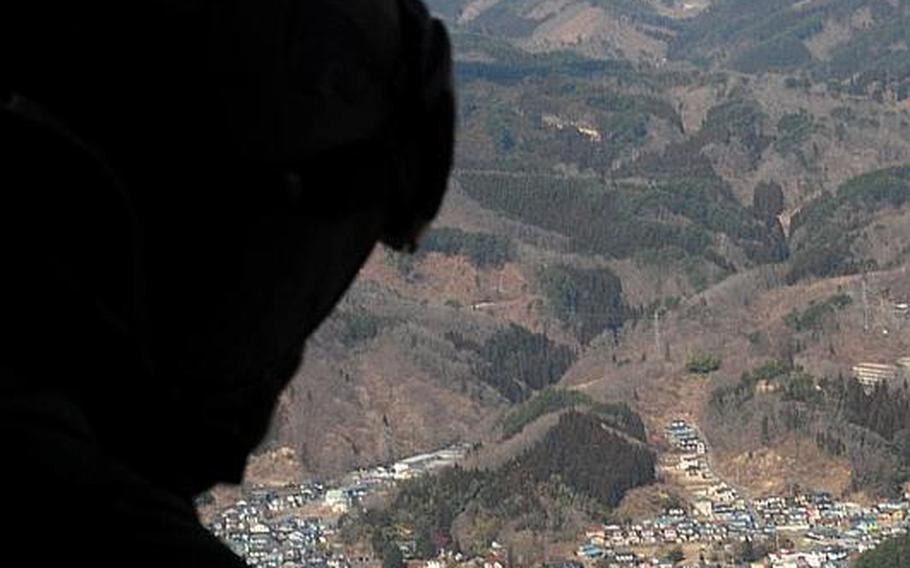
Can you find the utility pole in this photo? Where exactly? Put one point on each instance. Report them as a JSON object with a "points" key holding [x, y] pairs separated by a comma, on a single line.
{"points": [[657, 350], [865, 299]]}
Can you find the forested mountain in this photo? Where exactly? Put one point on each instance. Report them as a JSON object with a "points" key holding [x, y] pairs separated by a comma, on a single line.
{"points": [[630, 29], [853, 41], [582, 464], [595, 186]]}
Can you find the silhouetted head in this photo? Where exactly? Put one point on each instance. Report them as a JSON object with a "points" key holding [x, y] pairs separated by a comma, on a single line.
{"points": [[190, 192]]}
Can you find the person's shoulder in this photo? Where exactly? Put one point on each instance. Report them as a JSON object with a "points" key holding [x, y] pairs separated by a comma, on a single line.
{"points": [[69, 501], [157, 528]]}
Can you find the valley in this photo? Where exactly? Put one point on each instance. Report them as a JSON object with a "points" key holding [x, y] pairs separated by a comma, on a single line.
{"points": [[661, 211]]}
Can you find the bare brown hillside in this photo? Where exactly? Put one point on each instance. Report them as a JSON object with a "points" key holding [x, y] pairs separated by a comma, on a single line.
{"points": [[386, 378], [505, 293], [742, 321], [376, 407], [589, 30]]}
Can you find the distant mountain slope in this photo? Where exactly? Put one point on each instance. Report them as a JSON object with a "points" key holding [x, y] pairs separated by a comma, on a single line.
{"points": [[579, 470], [612, 214], [831, 234], [835, 39], [632, 29]]}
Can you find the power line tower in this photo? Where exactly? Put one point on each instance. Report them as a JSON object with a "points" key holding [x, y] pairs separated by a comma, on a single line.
{"points": [[657, 343], [865, 300]]}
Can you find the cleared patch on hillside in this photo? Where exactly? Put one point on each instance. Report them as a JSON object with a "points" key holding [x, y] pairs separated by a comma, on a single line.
{"points": [[379, 405], [505, 293], [474, 9], [590, 30], [778, 470]]}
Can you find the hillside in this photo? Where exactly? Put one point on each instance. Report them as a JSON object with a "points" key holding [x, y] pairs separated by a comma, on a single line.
{"points": [[581, 468], [664, 210], [599, 29], [590, 192], [854, 45]]}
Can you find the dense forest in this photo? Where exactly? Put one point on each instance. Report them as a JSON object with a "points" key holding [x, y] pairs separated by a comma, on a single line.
{"points": [[616, 415], [825, 230], [590, 458], [588, 301], [515, 361], [483, 249], [581, 463], [754, 37], [359, 327], [622, 221], [544, 132]]}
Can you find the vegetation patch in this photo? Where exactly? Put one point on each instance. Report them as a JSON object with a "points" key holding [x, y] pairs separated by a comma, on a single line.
{"points": [[777, 54], [617, 415], [872, 58], [517, 362], [825, 230], [812, 318], [589, 301], [620, 222], [703, 363], [739, 117], [731, 398], [511, 66], [483, 249], [871, 429], [360, 326], [793, 129], [547, 401], [581, 464]]}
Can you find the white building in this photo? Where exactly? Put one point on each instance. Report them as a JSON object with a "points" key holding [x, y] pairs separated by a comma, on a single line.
{"points": [[338, 500], [870, 375]]}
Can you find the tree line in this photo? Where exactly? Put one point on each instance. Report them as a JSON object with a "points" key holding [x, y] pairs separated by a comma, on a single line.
{"points": [[515, 361], [871, 429], [581, 462]]}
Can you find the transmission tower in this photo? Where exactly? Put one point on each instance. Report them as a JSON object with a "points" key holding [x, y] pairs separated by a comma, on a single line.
{"points": [[865, 300], [657, 342]]}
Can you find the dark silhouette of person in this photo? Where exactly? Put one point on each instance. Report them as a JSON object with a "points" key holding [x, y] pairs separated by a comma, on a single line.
{"points": [[188, 187]]}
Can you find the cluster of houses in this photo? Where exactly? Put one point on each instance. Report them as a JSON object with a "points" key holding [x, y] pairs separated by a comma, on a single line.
{"points": [[264, 530], [685, 437], [622, 545], [356, 485], [831, 532], [266, 527], [713, 496], [827, 533]]}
